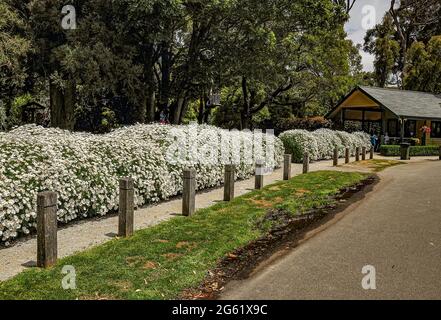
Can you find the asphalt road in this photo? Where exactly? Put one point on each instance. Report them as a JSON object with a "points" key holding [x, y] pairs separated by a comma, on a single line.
{"points": [[396, 229]]}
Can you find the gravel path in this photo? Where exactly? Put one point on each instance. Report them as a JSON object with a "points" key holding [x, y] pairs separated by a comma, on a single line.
{"points": [[86, 234]]}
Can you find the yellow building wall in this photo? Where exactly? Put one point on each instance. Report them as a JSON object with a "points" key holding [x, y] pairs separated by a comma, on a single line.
{"points": [[358, 99], [420, 124]]}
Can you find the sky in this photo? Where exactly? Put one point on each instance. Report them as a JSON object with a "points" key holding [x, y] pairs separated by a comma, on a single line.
{"points": [[364, 15]]}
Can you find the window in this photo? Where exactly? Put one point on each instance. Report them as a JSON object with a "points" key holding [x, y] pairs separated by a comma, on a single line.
{"points": [[436, 129], [410, 129], [392, 128]]}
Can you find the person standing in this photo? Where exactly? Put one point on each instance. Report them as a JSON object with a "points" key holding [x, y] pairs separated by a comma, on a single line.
{"points": [[386, 139], [425, 130], [374, 141]]}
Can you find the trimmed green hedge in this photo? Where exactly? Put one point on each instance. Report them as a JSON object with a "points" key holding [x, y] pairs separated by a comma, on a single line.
{"points": [[417, 151]]}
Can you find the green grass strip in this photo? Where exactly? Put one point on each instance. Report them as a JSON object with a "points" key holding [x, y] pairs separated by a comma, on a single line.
{"points": [[161, 261]]}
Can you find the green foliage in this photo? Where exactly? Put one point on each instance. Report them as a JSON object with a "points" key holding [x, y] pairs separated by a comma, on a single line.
{"points": [[161, 261], [310, 124], [394, 150], [15, 117], [139, 58], [423, 71], [14, 47], [395, 43], [381, 43]]}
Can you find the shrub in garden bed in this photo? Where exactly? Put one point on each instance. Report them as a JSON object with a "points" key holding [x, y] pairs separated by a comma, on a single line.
{"points": [[84, 169], [320, 144], [415, 151]]}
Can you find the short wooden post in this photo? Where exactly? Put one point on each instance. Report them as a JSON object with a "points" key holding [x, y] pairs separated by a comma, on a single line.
{"points": [[46, 229], [305, 162], [229, 182], [357, 154], [259, 176], [347, 155], [126, 207], [335, 157], [189, 192], [371, 153], [287, 167], [363, 153], [439, 152]]}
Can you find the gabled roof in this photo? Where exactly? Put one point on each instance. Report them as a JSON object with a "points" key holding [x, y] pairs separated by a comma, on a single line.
{"points": [[403, 103]]}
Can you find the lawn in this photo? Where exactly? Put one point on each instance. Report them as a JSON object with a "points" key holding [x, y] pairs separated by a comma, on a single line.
{"points": [[160, 262], [377, 165]]}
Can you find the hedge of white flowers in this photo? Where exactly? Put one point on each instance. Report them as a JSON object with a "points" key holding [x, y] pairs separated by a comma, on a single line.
{"points": [[84, 169], [320, 144]]}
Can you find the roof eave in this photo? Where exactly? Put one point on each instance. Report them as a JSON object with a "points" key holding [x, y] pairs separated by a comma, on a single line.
{"points": [[376, 101]]}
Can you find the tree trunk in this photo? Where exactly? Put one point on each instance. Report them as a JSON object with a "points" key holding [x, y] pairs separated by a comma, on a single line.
{"points": [[164, 92], [151, 104], [141, 110], [149, 75], [245, 114], [62, 105], [201, 109], [207, 115], [403, 40], [184, 110], [179, 109], [245, 121]]}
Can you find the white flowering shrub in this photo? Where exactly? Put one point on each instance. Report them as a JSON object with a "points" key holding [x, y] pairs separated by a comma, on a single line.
{"points": [[297, 142], [327, 140], [84, 169], [320, 144], [364, 139]]}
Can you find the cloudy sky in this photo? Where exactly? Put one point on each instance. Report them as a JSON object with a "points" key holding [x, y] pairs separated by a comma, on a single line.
{"points": [[363, 14]]}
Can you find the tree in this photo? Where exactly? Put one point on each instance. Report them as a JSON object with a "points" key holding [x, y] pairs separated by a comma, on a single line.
{"points": [[423, 70], [14, 48], [381, 43], [48, 40], [131, 60], [346, 4], [412, 20], [287, 54], [406, 22]]}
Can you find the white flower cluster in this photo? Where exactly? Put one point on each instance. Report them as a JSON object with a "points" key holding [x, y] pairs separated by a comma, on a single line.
{"points": [[320, 144], [84, 169]]}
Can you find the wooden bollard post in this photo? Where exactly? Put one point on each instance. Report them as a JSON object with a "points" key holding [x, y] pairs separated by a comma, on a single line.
{"points": [[363, 153], [371, 156], [126, 207], [287, 167], [440, 153], [305, 162], [46, 229], [259, 176], [189, 192], [357, 154], [335, 157], [347, 155], [229, 182]]}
